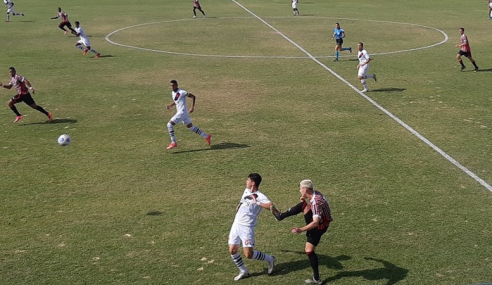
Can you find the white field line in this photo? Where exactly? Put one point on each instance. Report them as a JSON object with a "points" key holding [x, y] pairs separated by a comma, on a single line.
{"points": [[410, 129], [269, 56]]}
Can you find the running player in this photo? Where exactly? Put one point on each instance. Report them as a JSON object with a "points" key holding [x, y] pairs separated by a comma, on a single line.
{"points": [[22, 86], [465, 50], [10, 9], [338, 35], [84, 40], [363, 66], [64, 22], [182, 116]]}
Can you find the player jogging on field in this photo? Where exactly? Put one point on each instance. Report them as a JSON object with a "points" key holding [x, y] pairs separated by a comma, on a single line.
{"points": [[84, 40], [182, 114], [465, 50], [196, 5], [338, 35], [243, 228], [64, 21], [363, 66], [22, 86], [317, 215], [10, 9]]}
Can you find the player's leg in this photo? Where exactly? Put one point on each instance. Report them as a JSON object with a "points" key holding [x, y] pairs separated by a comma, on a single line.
{"points": [[196, 129], [8, 16], [472, 61], [292, 211], [79, 45], [313, 259], [194, 12], [62, 26], [12, 107], [170, 129], [203, 13], [362, 78], [31, 103], [234, 241], [89, 48], [458, 57]]}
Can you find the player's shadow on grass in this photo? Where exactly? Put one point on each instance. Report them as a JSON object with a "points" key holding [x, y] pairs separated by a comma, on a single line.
{"points": [[391, 89], [106, 55], [219, 146], [155, 213], [55, 121], [391, 272], [303, 263]]}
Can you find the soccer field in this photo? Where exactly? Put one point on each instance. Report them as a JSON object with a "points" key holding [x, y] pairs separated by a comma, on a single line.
{"points": [[405, 166]]}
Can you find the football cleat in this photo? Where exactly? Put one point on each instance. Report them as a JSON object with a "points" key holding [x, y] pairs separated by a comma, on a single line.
{"points": [[98, 55], [208, 139], [85, 51], [50, 117], [241, 275], [172, 145], [18, 118], [271, 265]]}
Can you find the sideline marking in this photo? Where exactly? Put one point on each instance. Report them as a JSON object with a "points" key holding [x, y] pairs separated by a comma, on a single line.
{"points": [[410, 129], [273, 56]]}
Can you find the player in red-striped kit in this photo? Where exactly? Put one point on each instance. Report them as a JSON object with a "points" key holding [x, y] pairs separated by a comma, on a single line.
{"points": [[465, 50], [317, 214], [22, 86], [196, 5], [64, 21]]}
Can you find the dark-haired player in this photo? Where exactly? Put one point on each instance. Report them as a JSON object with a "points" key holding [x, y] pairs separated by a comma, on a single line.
{"points": [[465, 50], [243, 228], [64, 21], [22, 86]]}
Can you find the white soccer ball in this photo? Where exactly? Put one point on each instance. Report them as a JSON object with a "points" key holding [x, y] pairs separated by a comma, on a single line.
{"points": [[64, 140]]}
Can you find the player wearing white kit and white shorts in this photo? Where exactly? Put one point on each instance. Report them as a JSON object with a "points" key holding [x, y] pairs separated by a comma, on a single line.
{"points": [[84, 40], [243, 228], [363, 66], [182, 115], [295, 11], [10, 9]]}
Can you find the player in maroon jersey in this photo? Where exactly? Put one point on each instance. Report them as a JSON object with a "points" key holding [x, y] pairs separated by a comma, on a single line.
{"points": [[64, 22], [196, 5], [465, 50], [22, 86], [317, 214]]}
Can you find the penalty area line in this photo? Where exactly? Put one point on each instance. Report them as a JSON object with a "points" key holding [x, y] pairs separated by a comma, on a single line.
{"points": [[374, 103]]}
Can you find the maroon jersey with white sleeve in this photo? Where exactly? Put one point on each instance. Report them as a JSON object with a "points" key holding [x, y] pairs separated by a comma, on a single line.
{"points": [[321, 209], [19, 83]]}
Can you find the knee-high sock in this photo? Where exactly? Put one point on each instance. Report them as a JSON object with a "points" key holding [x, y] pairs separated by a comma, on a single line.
{"points": [[197, 130], [364, 84], [40, 109], [313, 261], [14, 109], [238, 260], [170, 129], [292, 211], [258, 255]]}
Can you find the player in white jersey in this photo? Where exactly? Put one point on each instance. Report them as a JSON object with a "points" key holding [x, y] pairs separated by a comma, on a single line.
{"points": [[84, 40], [363, 66], [295, 11], [10, 9], [243, 228], [182, 115]]}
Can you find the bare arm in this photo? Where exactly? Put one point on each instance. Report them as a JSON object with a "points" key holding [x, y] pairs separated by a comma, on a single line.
{"points": [[170, 105], [193, 98], [307, 227]]}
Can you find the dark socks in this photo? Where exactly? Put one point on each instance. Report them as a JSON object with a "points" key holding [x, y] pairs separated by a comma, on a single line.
{"points": [[313, 260], [40, 109], [14, 109]]}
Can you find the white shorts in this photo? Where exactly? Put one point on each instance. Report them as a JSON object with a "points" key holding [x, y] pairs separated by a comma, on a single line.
{"points": [[85, 42], [181, 118], [294, 5], [490, 5], [244, 234], [363, 70], [11, 10]]}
